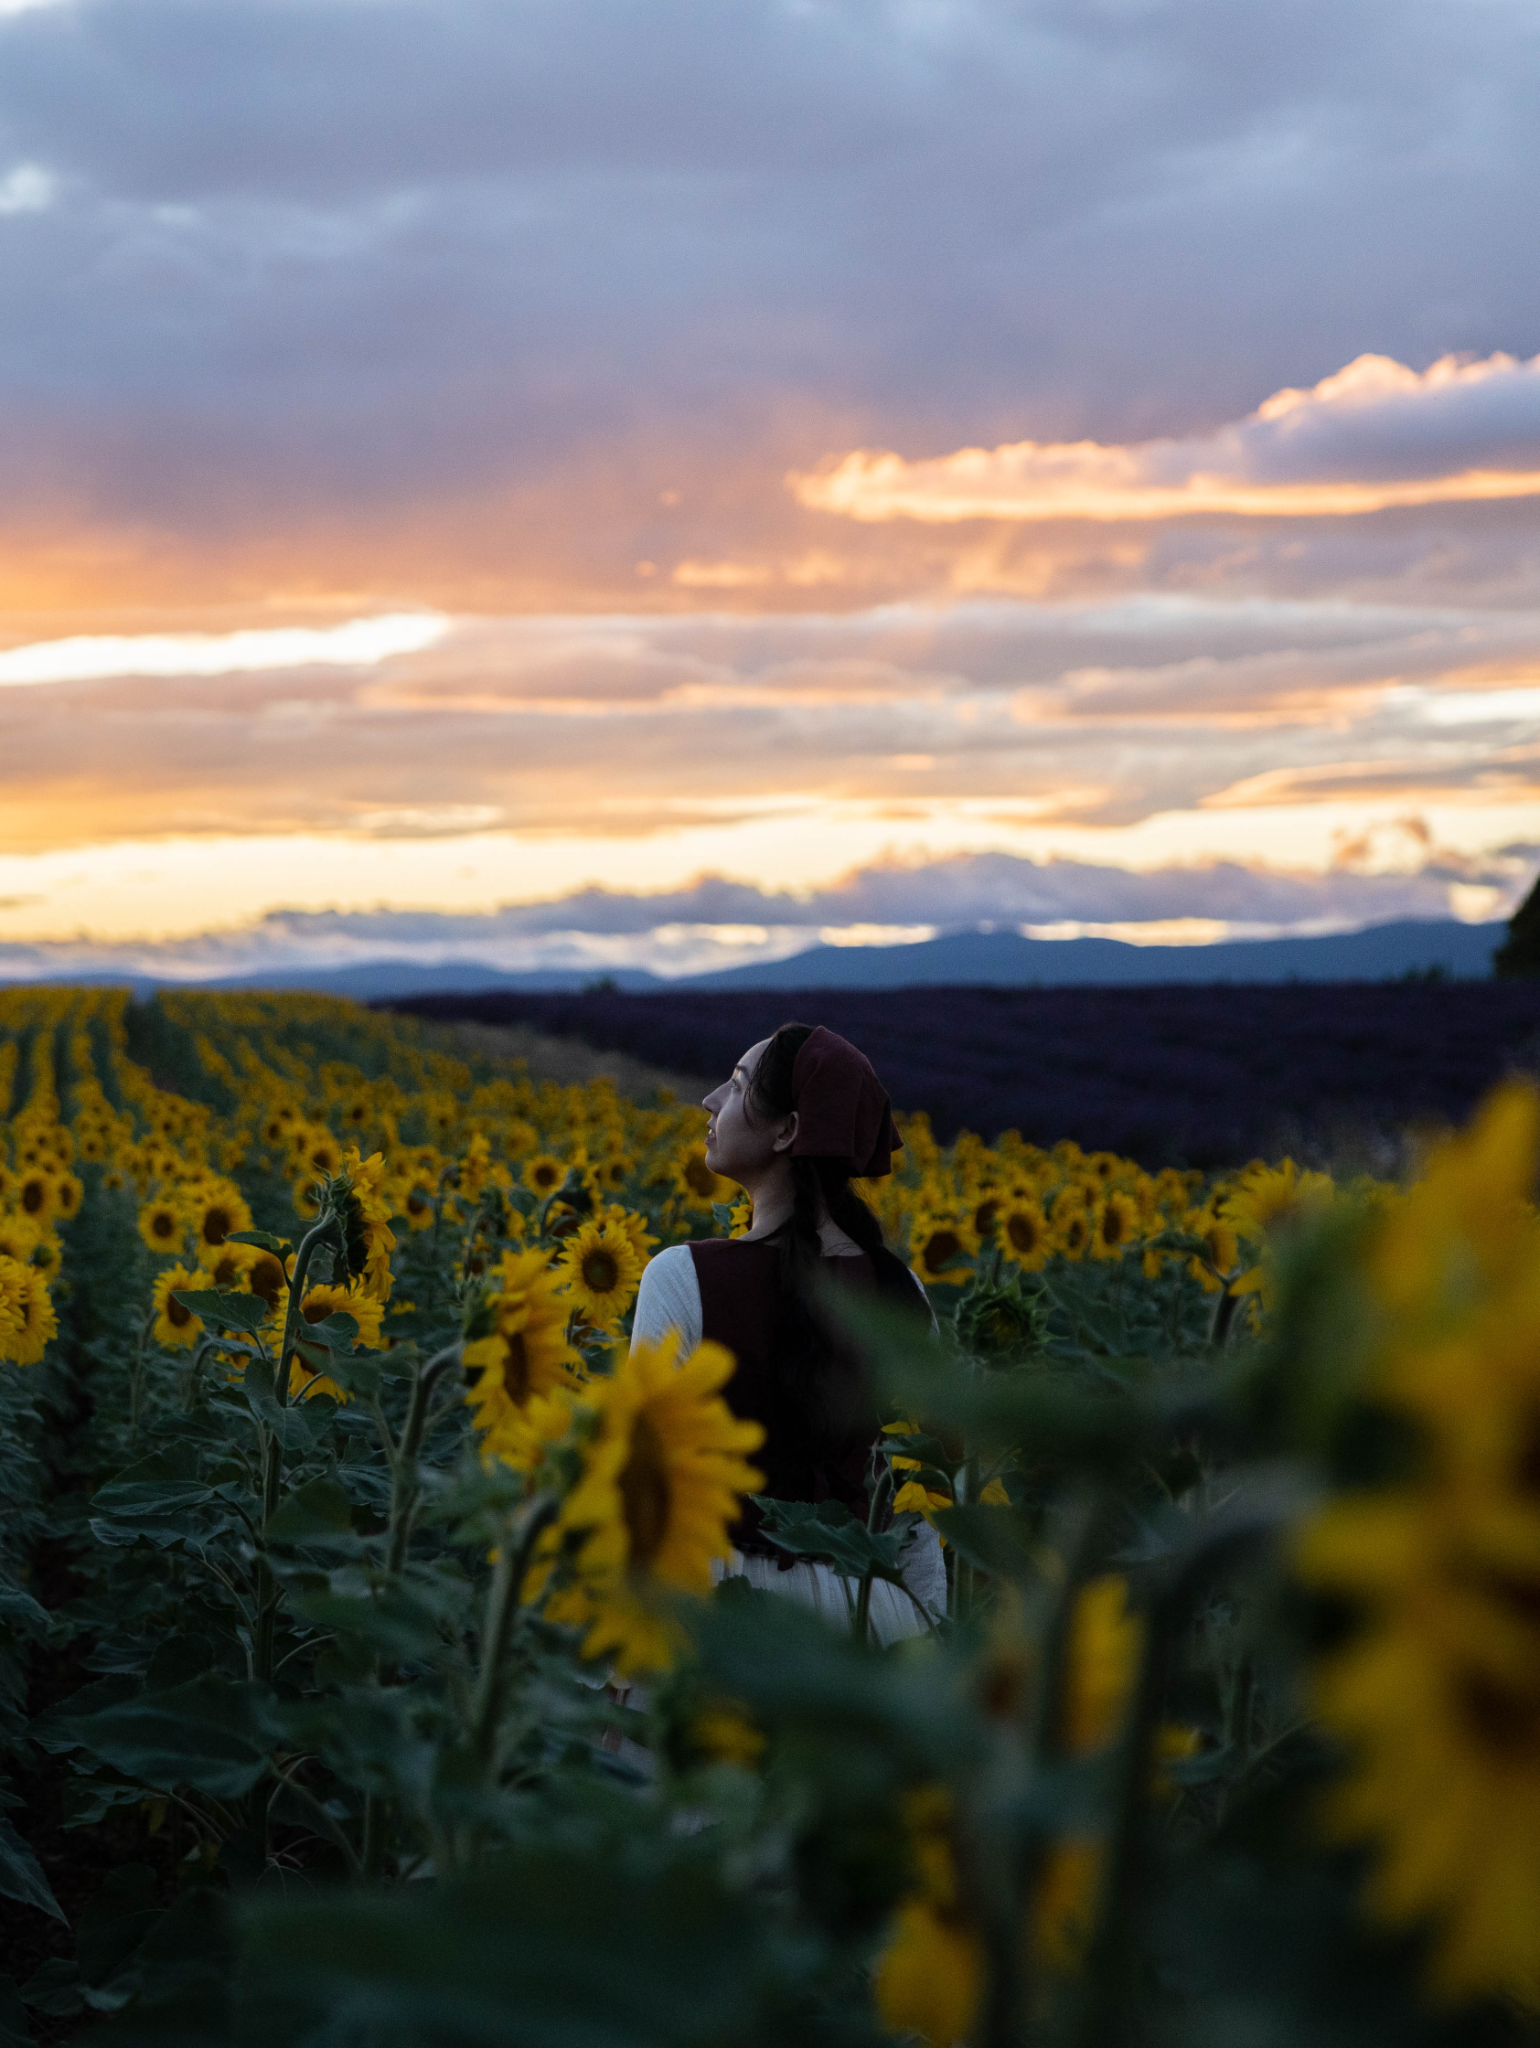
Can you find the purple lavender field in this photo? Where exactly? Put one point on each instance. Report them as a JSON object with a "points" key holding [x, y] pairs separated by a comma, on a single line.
{"points": [[1179, 1075]]}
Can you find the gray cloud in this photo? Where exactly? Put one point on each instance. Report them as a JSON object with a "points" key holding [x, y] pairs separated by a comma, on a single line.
{"points": [[718, 922], [412, 260]]}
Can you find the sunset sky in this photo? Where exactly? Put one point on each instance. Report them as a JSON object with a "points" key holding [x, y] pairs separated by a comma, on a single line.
{"points": [[659, 482]]}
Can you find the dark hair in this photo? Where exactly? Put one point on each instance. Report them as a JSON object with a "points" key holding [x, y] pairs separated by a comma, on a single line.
{"points": [[819, 1187]]}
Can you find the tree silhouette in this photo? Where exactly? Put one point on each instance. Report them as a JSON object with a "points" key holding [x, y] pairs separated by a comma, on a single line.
{"points": [[1521, 955]]}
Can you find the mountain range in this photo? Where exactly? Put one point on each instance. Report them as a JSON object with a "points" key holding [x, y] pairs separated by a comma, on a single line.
{"points": [[979, 958]]}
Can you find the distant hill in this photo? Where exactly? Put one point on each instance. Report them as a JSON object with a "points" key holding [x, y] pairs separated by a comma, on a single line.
{"points": [[376, 981], [1382, 952]]}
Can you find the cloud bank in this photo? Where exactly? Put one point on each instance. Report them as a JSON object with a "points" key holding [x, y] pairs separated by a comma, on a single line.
{"points": [[717, 922], [1373, 437]]}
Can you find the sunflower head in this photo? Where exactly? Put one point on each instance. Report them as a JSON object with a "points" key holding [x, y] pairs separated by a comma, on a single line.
{"points": [[1434, 1692], [175, 1325], [664, 1476], [1025, 1238], [266, 1276], [697, 1185], [940, 1245], [162, 1225], [518, 1344], [221, 1210], [543, 1174], [601, 1270], [1118, 1224]]}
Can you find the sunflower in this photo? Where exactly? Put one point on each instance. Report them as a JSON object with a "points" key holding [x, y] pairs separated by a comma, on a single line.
{"points": [[18, 1239], [318, 1304], [1118, 1225], [37, 1194], [1072, 1229], [369, 1314], [67, 1195], [929, 1978], [613, 1172], [1025, 1238], [162, 1225], [46, 1255], [1213, 1267], [663, 1478], [1435, 1692], [175, 1326], [543, 1174], [14, 1281], [227, 1268], [695, 1182], [939, 1245], [930, 1975], [366, 1223], [266, 1276], [276, 1123], [634, 1224], [601, 1270], [527, 1351], [306, 1194], [219, 1210], [38, 1321], [1266, 1203]]}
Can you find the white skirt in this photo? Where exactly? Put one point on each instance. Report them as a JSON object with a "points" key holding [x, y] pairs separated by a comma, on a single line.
{"points": [[893, 1613]]}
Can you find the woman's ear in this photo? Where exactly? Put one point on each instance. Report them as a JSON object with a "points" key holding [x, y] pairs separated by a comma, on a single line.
{"points": [[786, 1136]]}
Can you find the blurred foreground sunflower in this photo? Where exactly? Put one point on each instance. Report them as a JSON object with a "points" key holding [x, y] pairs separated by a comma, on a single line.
{"points": [[1435, 1692], [663, 1477]]}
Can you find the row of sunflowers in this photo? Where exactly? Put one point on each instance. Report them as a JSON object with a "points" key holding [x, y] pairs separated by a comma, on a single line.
{"points": [[621, 1178], [381, 1562]]}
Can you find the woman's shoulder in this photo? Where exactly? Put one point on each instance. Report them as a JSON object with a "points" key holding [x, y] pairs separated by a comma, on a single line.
{"points": [[729, 1250]]}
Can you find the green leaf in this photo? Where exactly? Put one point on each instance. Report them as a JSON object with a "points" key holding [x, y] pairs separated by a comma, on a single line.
{"points": [[336, 1332], [264, 1240], [828, 1531], [21, 1875], [221, 1311], [317, 1513], [995, 1539], [14, 2031], [54, 1988], [212, 1733], [294, 1429], [546, 1949]]}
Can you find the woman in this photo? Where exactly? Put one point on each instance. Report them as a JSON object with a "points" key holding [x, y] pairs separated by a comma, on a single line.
{"points": [[801, 1115]]}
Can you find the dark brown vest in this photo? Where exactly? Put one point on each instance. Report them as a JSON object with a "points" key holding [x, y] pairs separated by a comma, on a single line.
{"points": [[818, 1439]]}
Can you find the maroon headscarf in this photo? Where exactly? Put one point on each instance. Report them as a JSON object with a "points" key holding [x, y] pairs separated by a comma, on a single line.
{"points": [[843, 1112]]}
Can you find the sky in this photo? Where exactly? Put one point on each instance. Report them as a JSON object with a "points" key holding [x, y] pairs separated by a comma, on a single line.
{"points": [[657, 483]]}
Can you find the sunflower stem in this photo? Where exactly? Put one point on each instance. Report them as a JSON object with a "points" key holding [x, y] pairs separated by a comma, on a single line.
{"points": [[404, 1476], [513, 1561], [882, 1493], [272, 1455], [1224, 1316]]}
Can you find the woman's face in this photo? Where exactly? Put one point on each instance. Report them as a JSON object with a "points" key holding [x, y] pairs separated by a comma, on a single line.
{"points": [[736, 1147]]}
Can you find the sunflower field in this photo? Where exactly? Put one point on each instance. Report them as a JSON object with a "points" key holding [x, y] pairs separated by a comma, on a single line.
{"points": [[372, 1668]]}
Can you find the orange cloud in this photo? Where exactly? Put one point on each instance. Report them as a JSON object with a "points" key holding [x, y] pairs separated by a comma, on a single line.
{"points": [[1459, 433]]}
